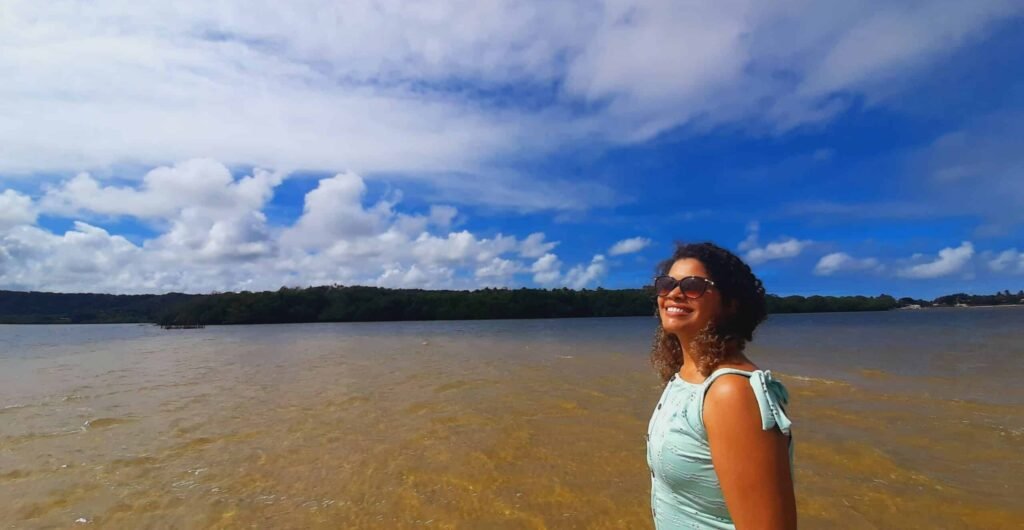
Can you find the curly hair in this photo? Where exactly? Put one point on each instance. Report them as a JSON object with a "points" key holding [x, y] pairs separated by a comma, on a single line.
{"points": [[740, 291]]}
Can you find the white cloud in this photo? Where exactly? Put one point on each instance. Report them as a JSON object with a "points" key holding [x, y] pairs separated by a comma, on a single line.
{"points": [[627, 246], [582, 276], [334, 212], [207, 214], [461, 247], [534, 246], [197, 183], [843, 262], [83, 257], [950, 260], [499, 271], [546, 270], [15, 209], [442, 215], [212, 234], [368, 85], [783, 249], [897, 37], [413, 277], [1011, 261], [753, 233]]}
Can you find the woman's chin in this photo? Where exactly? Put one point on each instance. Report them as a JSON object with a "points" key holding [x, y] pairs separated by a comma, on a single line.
{"points": [[677, 324]]}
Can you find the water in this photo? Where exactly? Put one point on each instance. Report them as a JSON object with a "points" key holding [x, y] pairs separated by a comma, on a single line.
{"points": [[911, 419]]}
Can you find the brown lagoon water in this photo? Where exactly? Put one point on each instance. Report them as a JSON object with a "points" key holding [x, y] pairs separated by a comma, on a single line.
{"points": [[909, 419]]}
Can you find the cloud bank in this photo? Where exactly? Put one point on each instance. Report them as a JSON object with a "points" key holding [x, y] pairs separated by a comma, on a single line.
{"points": [[212, 234]]}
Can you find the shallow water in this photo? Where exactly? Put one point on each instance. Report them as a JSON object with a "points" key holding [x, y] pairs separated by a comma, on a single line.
{"points": [[902, 420]]}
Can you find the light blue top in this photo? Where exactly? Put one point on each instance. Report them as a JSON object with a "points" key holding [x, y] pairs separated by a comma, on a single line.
{"points": [[685, 492]]}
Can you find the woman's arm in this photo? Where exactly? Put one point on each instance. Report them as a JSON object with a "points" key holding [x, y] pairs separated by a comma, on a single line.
{"points": [[752, 464]]}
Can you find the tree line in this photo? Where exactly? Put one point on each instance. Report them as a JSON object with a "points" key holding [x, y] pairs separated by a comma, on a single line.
{"points": [[361, 304], [18, 307], [1000, 298]]}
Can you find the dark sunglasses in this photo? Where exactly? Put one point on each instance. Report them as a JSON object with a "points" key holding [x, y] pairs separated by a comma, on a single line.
{"points": [[692, 287]]}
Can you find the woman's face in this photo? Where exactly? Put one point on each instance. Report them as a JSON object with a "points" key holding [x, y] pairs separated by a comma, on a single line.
{"points": [[685, 316]]}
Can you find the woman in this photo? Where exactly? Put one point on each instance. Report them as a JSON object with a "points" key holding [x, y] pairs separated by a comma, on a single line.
{"points": [[718, 444]]}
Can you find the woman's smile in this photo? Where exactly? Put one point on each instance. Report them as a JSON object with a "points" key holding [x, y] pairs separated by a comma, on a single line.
{"points": [[677, 310]]}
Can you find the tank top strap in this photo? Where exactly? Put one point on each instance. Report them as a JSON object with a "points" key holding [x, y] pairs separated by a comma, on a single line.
{"points": [[771, 395], [724, 371]]}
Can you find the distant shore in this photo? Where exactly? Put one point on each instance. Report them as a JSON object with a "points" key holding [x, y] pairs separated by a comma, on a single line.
{"points": [[369, 304]]}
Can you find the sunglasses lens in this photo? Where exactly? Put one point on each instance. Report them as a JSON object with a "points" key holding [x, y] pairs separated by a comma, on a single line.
{"points": [[664, 285], [693, 287]]}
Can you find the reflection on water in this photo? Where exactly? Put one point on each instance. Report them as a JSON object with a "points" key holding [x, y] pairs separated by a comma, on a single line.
{"points": [[903, 420]]}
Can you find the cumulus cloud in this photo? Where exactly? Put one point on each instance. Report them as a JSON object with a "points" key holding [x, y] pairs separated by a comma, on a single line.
{"points": [[412, 276], [15, 209], [1011, 261], [949, 261], [442, 215], [206, 212], [334, 212], [842, 262], [534, 246], [546, 270], [85, 257], [582, 276], [784, 248], [628, 246], [164, 191], [499, 271], [211, 234]]}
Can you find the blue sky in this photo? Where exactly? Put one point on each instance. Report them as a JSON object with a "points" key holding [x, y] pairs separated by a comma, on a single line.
{"points": [[841, 149]]}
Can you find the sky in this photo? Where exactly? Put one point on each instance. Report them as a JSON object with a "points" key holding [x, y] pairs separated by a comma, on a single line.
{"points": [[838, 147]]}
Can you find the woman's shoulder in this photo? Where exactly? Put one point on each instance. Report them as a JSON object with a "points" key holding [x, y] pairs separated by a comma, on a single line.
{"points": [[729, 391], [729, 378], [745, 395]]}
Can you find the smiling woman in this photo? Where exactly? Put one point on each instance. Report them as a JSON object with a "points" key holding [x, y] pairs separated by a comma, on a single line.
{"points": [[719, 454]]}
